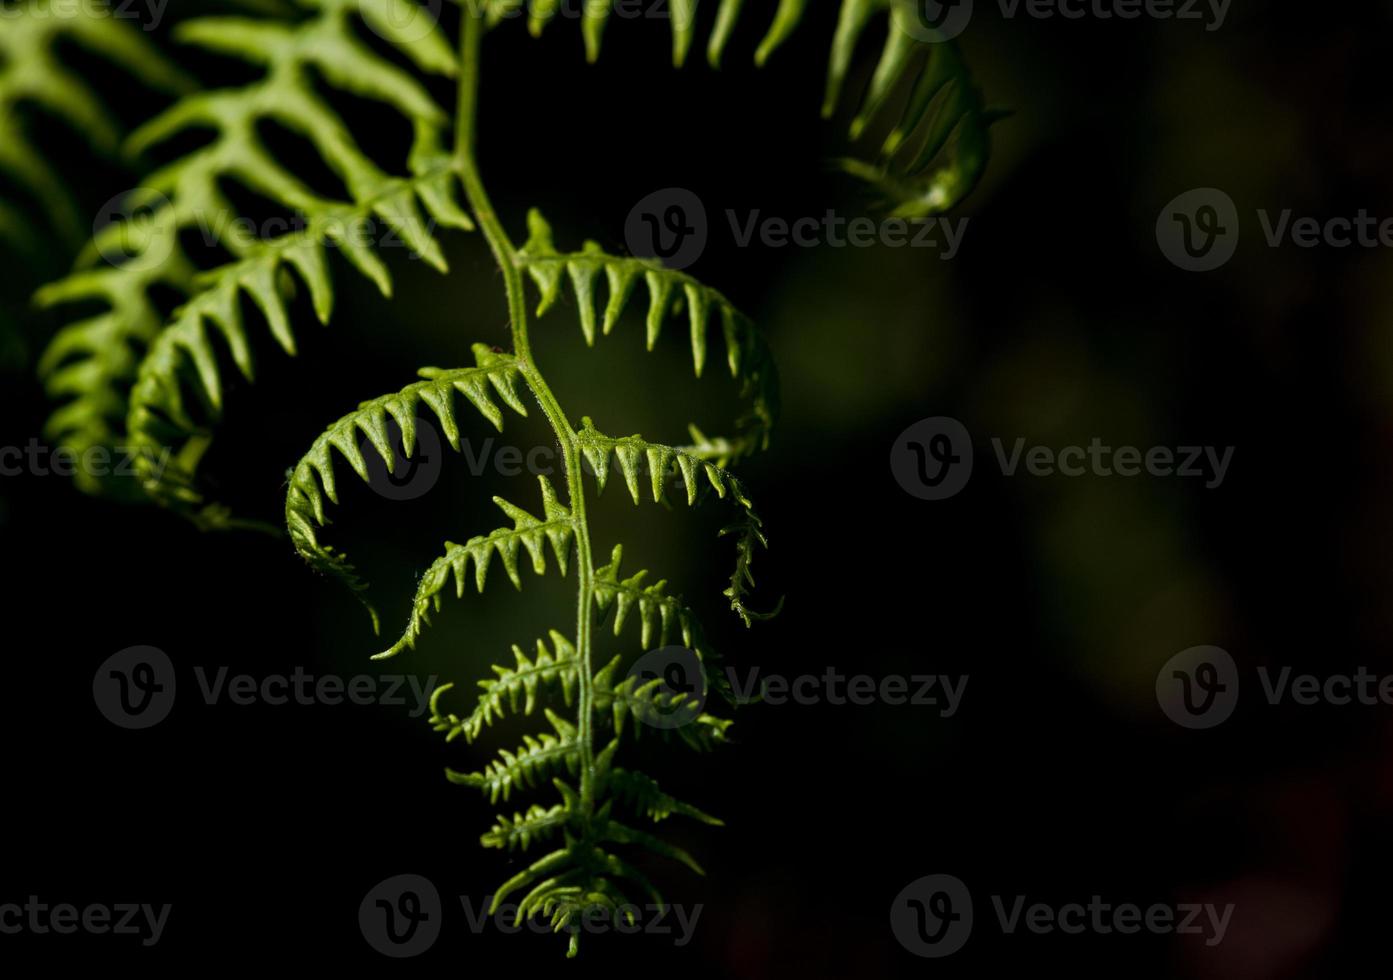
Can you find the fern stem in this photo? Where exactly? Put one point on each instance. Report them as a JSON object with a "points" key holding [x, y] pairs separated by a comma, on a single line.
{"points": [[505, 253]]}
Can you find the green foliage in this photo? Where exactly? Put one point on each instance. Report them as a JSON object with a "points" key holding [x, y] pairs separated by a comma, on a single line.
{"points": [[32, 76], [35, 80], [747, 355], [313, 480], [932, 153], [128, 378], [131, 374]]}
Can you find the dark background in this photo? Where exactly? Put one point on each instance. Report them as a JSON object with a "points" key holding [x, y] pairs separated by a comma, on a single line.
{"points": [[1059, 779]]}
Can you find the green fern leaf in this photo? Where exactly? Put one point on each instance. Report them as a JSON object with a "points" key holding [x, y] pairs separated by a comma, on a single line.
{"points": [[31, 74], [518, 833], [537, 757], [644, 701], [747, 354], [556, 527], [102, 357], [159, 416], [635, 458], [313, 480], [937, 146], [641, 793], [513, 685]]}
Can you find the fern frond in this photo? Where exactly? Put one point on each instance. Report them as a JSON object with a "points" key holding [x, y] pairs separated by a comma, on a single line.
{"points": [[658, 612], [556, 527], [159, 416], [747, 354], [518, 833], [312, 481], [618, 833], [636, 457], [641, 793], [644, 701], [186, 195], [937, 147], [512, 685], [538, 756], [32, 74]]}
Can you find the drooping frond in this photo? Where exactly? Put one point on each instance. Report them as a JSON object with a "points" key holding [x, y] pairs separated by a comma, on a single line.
{"points": [[937, 146], [312, 481], [93, 364], [658, 612], [637, 459], [514, 689], [645, 702], [556, 527], [518, 833], [538, 756], [669, 292], [584, 874], [32, 75], [159, 416], [640, 793]]}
